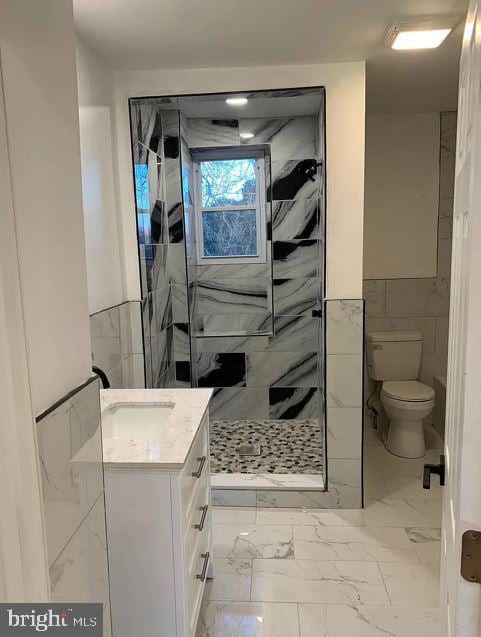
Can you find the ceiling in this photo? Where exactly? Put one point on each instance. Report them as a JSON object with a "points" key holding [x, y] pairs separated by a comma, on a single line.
{"points": [[149, 34]]}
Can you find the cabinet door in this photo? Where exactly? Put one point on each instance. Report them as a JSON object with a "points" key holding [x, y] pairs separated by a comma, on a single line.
{"points": [[140, 549]]}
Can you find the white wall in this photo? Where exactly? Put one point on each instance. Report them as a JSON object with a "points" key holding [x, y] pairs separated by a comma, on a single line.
{"points": [[402, 192], [100, 201], [345, 87], [41, 106]]}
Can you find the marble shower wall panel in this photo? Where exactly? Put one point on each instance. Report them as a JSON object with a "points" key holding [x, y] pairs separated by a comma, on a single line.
{"points": [[344, 345], [288, 137], [160, 219], [70, 450], [117, 348], [423, 304], [230, 298]]}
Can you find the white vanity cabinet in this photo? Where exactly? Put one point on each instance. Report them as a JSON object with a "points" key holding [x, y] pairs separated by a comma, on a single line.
{"points": [[159, 537]]}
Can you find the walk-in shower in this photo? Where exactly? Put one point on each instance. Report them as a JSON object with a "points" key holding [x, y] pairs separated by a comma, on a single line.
{"points": [[230, 216]]}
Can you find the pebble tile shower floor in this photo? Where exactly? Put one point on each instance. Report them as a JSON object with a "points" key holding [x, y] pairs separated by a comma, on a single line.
{"points": [[287, 446]]}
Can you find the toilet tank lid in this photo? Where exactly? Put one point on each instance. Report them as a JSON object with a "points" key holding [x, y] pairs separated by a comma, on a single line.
{"points": [[401, 336]]}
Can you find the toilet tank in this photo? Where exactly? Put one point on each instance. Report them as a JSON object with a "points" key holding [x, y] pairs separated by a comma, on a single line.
{"points": [[394, 355]]}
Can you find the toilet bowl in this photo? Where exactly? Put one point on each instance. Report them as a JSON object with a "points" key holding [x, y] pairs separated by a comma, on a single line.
{"points": [[407, 403]]}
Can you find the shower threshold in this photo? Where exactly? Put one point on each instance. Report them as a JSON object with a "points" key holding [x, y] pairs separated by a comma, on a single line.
{"points": [[268, 481]]}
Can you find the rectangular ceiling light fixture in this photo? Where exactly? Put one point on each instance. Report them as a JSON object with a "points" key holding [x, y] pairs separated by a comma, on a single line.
{"points": [[424, 32]]}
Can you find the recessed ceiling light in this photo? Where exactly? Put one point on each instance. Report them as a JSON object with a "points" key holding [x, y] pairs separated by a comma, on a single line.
{"points": [[420, 39], [236, 101], [422, 32], [246, 135]]}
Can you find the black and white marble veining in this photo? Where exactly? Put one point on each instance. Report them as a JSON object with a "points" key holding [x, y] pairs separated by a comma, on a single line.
{"points": [[147, 126], [221, 370], [295, 296], [246, 271], [232, 296], [204, 133], [237, 403], [237, 324], [295, 219], [158, 276], [162, 346], [179, 302], [172, 190], [176, 263], [294, 179], [281, 369], [293, 402], [161, 313], [175, 222], [170, 121], [288, 137], [229, 344], [287, 446], [181, 342], [294, 334], [295, 259]]}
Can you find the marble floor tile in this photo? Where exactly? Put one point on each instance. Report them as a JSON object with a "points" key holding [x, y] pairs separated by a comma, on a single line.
{"points": [[248, 619], [233, 497], [379, 462], [412, 512], [374, 488], [400, 488], [411, 584], [362, 544], [426, 543], [326, 620], [231, 581], [251, 541], [233, 515], [317, 581], [323, 517]]}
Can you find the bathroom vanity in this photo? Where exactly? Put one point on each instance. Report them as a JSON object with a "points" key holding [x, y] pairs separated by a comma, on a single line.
{"points": [[157, 489]]}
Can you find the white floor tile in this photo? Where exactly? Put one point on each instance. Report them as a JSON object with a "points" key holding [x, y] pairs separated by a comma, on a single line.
{"points": [[233, 515], [317, 620], [370, 544], [316, 581], [426, 543], [327, 517], [411, 584], [410, 512], [232, 580], [251, 541], [248, 619], [400, 488]]}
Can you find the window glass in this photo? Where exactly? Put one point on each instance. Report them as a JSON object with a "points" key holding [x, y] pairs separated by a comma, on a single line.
{"points": [[229, 233], [228, 182]]}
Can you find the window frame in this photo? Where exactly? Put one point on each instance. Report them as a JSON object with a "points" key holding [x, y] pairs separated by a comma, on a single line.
{"points": [[259, 206]]}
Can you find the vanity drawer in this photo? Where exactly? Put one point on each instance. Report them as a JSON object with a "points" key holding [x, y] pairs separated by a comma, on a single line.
{"points": [[199, 522], [196, 472], [199, 568]]}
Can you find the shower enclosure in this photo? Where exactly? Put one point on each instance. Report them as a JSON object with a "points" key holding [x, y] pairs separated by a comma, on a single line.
{"points": [[230, 218]]}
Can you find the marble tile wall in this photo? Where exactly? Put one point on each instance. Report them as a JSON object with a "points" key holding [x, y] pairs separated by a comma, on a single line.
{"points": [[164, 207], [117, 347], [273, 374], [70, 450], [344, 388], [423, 304]]}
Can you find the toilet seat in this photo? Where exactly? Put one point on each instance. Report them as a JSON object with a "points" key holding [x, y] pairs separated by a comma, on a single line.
{"points": [[408, 391]]}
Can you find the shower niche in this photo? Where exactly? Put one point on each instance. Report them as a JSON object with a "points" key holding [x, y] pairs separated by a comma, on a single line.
{"points": [[230, 205]]}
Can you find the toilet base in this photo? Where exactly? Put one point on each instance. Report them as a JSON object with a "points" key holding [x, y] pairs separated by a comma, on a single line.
{"points": [[406, 439]]}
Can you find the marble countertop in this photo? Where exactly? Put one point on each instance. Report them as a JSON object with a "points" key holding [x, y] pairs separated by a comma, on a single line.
{"points": [[165, 448]]}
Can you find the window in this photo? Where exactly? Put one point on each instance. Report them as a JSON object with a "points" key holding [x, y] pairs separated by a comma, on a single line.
{"points": [[230, 206]]}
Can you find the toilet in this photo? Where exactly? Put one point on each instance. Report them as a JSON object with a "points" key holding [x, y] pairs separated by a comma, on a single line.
{"points": [[394, 357]]}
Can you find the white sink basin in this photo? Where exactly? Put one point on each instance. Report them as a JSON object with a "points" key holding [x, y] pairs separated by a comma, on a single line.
{"points": [[136, 420]]}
